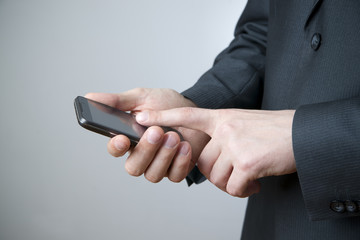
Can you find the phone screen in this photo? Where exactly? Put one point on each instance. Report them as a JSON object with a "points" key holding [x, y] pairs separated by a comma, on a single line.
{"points": [[107, 120]]}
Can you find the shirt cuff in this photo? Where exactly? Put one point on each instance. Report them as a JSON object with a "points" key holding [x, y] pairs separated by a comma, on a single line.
{"points": [[195, 176]]}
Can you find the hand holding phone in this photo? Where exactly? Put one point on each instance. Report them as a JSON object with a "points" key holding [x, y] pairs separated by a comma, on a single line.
{"points": [[153, 159], [106, 120], [109, 121]]}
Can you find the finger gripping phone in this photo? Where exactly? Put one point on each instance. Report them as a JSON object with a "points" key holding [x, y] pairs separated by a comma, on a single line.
{"points": [[109, 121]]}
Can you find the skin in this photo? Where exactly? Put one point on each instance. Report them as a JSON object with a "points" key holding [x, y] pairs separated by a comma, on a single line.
{"points": [[245, 145], [158, 154], [233, 147]]}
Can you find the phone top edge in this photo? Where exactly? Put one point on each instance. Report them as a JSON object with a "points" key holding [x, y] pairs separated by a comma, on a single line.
{"points": [[87, 121], [82, 109], [92, 126]]}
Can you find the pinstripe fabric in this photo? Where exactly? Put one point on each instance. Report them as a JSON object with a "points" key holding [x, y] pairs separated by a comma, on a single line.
{"points": [[271, 65]]}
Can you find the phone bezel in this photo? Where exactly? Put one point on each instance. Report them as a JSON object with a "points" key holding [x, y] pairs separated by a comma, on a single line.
{"points": [[85, 120]]}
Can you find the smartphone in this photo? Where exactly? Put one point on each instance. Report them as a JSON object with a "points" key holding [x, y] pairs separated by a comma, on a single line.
{"points": [[109, 121]]}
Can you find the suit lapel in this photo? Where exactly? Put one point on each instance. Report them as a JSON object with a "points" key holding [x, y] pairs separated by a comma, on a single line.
{"points": [[315, 7]]}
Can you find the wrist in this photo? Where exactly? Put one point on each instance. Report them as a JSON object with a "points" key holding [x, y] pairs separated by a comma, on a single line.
{"points": [[188, 102]]}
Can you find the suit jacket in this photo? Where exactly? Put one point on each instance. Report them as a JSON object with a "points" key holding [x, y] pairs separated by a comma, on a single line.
{"points": [[303, 55]]}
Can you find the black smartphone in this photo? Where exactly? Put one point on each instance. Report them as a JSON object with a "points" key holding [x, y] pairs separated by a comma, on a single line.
{"points": [[109, 121]]}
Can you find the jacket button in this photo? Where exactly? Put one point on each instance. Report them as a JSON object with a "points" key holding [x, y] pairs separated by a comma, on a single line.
{"points": [[337, 206], [316, 41], [351, 206]]}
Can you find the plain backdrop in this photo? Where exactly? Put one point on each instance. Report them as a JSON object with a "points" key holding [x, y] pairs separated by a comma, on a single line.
{"points": [[57, 180]]}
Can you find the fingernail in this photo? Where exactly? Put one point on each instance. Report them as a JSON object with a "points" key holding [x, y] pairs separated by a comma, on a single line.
{"points": [[153, 136], [184, 150], [170, 141], [142, 117], [119, 145]]}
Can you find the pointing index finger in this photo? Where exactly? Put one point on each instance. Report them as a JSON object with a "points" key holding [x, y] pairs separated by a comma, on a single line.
{"points": [[193, 118]]}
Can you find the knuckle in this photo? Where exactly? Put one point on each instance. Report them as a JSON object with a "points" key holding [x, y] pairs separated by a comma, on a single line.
{"points": [[89, 95], [245, 165], [139, 91], [226, 129], [233, 191], [217, 180], [187, 112], [132, 170], [236, 189], [175, 178], [153, 178], [242, 195], [155, 117], [170, 90]]}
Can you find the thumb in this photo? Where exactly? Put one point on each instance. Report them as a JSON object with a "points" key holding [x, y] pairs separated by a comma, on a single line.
{"points": [[126, 101], [193, 118]]}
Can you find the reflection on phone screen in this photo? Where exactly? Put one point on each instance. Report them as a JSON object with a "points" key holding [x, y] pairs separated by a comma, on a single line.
{"points": [[115, 119]]}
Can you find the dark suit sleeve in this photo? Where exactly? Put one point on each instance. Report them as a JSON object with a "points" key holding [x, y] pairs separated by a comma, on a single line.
{"points": [[236, 78], [326, 142]]}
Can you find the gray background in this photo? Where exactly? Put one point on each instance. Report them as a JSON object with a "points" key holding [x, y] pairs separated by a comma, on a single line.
{"points": [[57, 180]]}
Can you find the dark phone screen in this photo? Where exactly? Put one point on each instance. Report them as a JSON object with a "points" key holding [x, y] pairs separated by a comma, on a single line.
{"points": [[114, 119]]}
